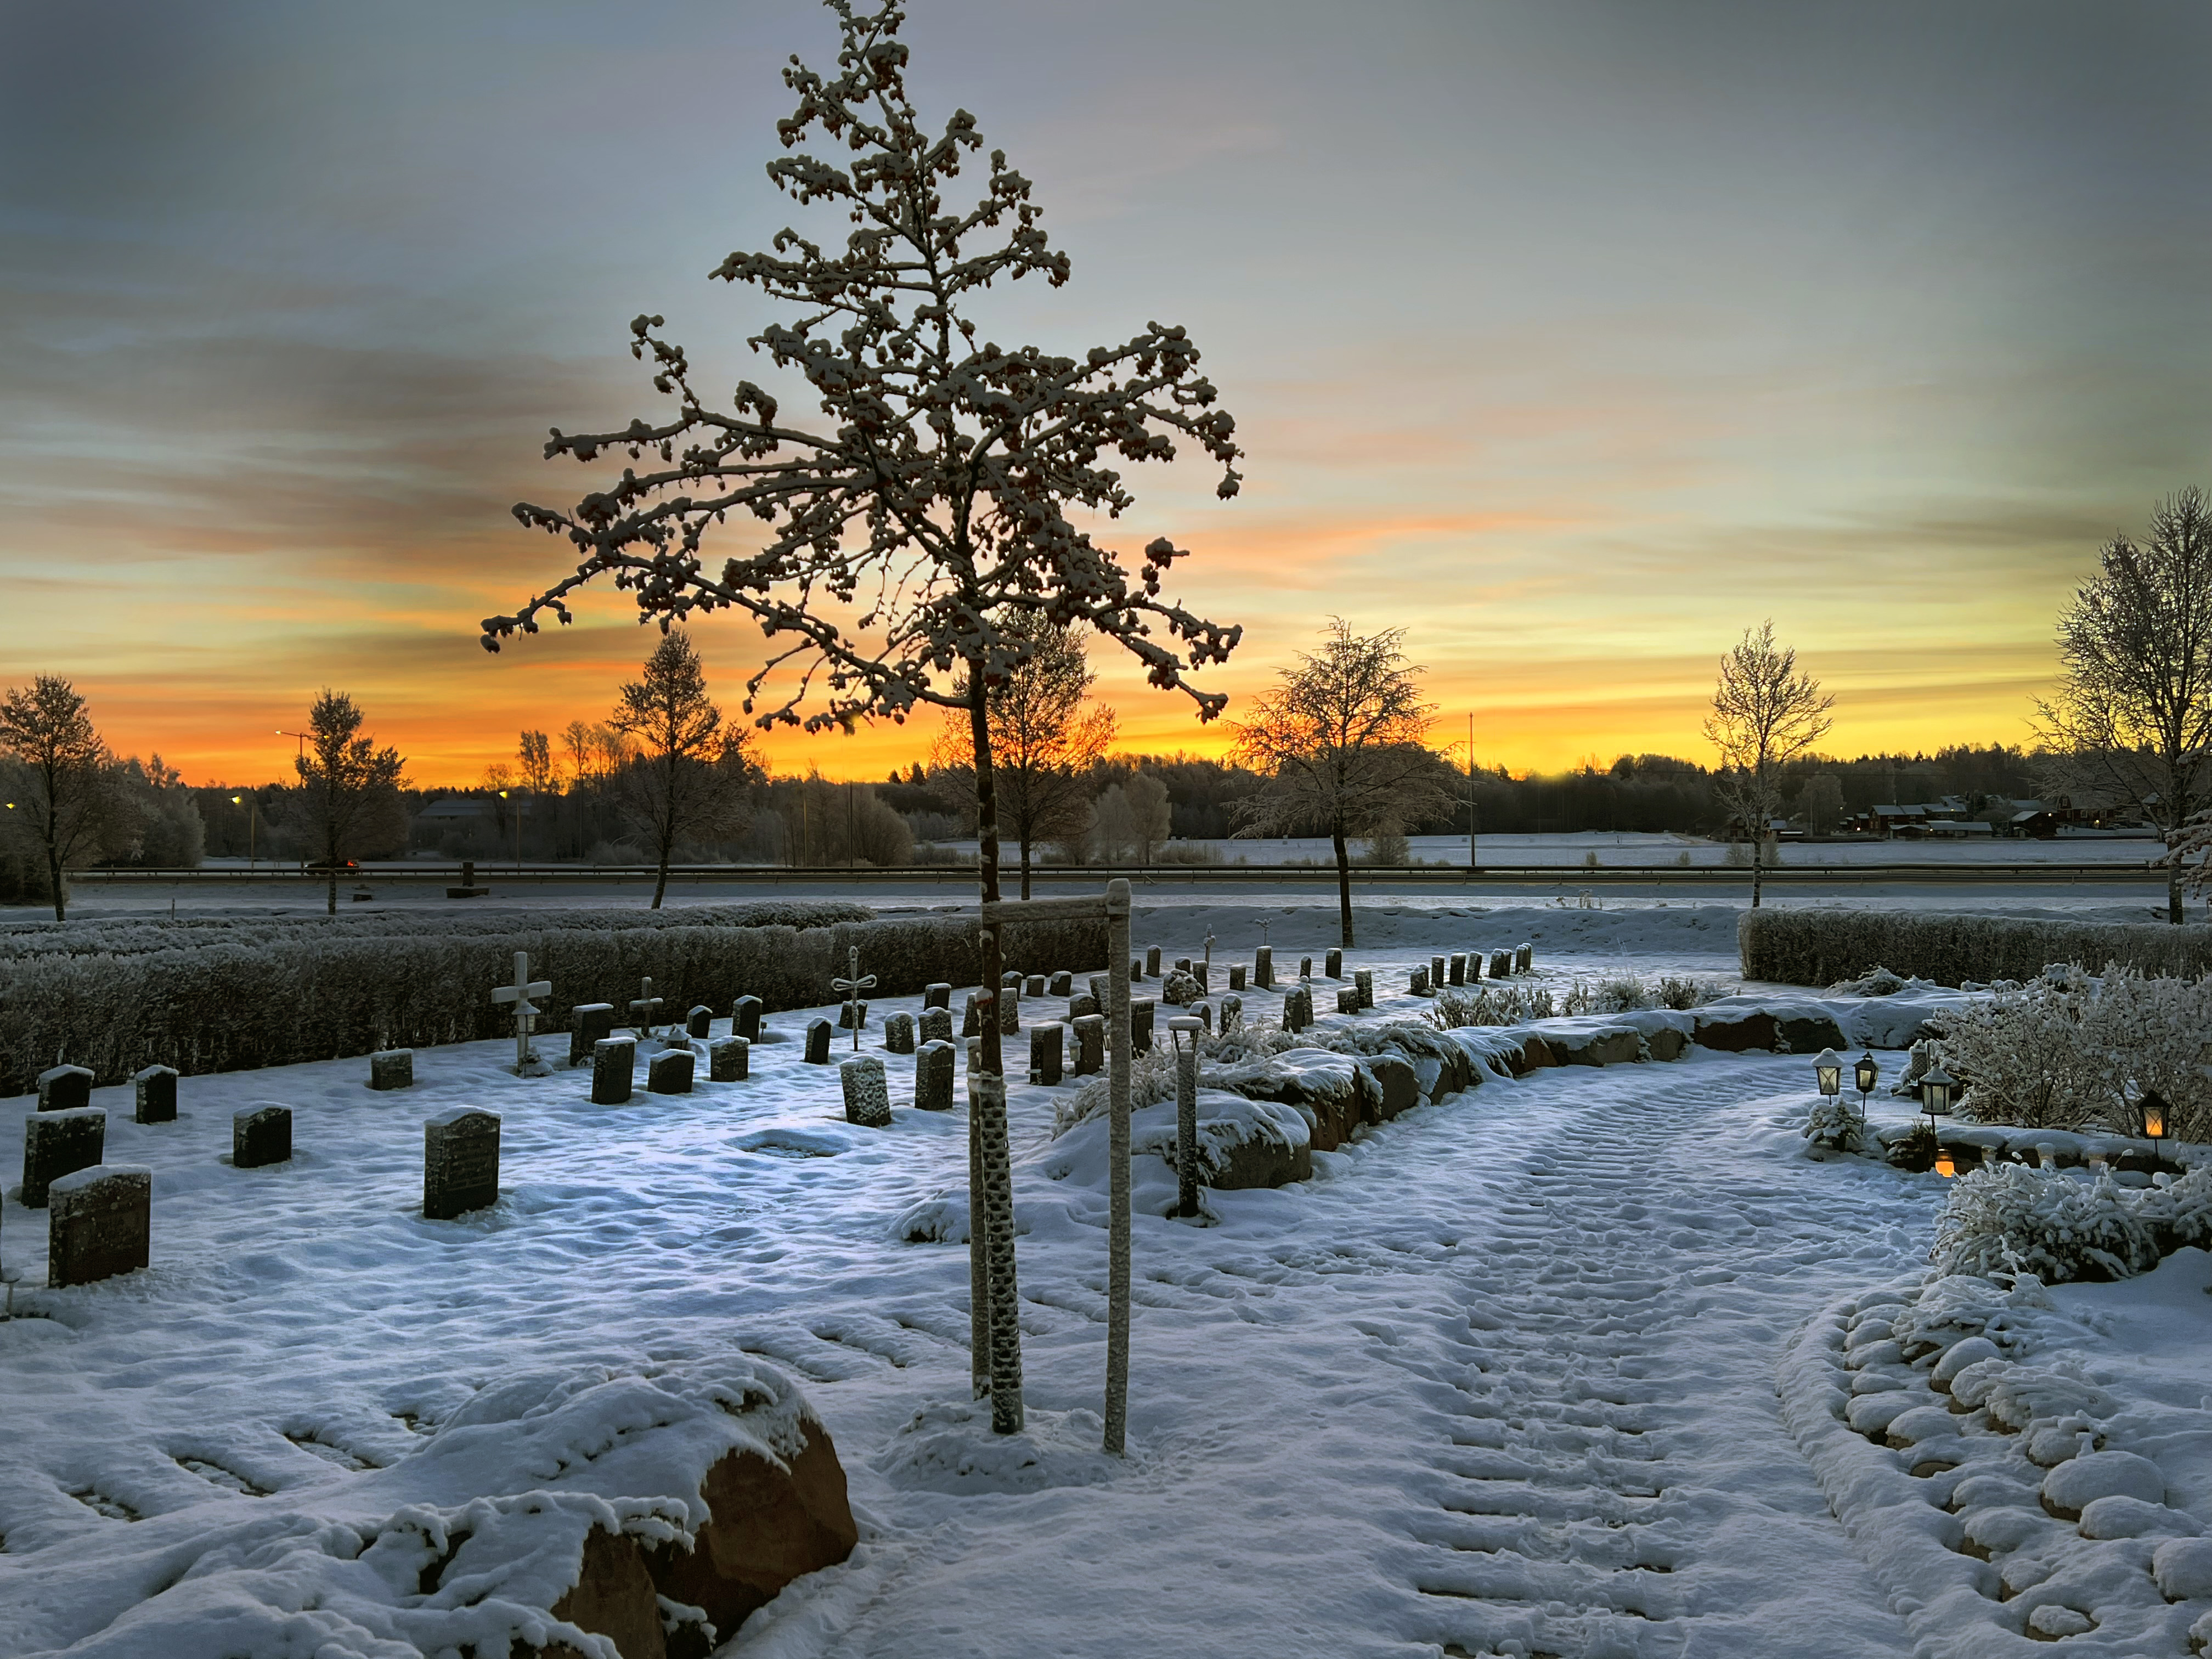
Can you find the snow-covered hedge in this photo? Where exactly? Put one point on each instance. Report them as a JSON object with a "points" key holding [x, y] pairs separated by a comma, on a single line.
{"points": [[2012, 1220], [1821, 947], [320, 993]]}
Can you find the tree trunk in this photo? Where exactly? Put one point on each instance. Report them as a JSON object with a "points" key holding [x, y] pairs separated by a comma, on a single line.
{"points": [[54, 871], [986, 1121], [331, 840], [2174, 910], [1025, 865], [1758, 853], [1343, 882]]}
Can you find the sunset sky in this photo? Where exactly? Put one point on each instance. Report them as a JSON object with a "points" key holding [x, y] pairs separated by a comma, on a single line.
{"points": [[1573, 337]]}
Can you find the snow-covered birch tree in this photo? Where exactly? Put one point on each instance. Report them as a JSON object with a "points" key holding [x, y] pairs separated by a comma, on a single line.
{"points": [[898, 552]]}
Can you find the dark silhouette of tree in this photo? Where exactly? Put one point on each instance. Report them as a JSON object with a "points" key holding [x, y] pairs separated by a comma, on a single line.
{"points": [[691, 776], [64, 802], [896, 544], [1765, 715], [1339, 742], [346, 780]]}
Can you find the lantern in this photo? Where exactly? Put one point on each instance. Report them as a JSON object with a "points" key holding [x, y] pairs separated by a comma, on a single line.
{"points": [[1866, 1073], [2154, 1114], [1828, 1071], [1944, 1166], [1935, 1093]]}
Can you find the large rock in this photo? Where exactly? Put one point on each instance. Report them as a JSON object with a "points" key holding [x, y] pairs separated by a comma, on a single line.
{"points": [[1398, 1083], [1616, 1046], [1334, 1092], [1533, 1055], [1738, 1030], [1808, 1034]]}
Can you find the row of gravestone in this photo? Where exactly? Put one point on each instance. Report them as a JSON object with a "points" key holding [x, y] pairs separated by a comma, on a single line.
{"points": [[1465, 968], [99, 1215]]}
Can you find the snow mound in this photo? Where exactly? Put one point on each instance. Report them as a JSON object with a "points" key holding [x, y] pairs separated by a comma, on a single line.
{"points": [[951, 1449]]}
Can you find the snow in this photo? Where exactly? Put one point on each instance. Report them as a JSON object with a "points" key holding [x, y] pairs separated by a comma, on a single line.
{"points": [[1500, 1378]]}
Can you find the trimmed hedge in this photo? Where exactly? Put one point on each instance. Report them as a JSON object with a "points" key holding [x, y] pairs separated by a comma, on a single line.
{"points": [[1826, 947], [323, 993]]}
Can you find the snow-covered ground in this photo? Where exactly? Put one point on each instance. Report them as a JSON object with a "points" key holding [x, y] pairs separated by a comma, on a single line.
{"points": [[1500, 1379]]}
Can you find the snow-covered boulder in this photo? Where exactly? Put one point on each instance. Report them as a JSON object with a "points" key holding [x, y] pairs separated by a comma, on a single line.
{"points": [[2080, 1481], [2183, 1567], [1334, 1093], [1240, 1143]]}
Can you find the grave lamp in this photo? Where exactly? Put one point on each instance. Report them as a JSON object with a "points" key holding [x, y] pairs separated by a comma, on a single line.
{"points": [[2153, 1115], [1936, 1094], [1828, 1071], [1944, 1166], [1865, 1074]]}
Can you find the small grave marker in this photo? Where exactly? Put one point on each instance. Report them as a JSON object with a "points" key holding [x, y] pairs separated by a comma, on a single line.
{"points": [[1061, 984], [935, 1024], [898, 1034], [391, 1068], [614, 1062], [1298, 1008], [260, 1136], [1456, 967], [933, 1076], [643, 1006], [1332, 964], [460, 1164], [526, 1012], [1475, 967], [1141, 1012], [1524, 958], [1089, 1044], [669, 1072], [98, 1223], [1501, 964], [157, 1091], [1236, 975], [1263, 968], [971, 1015], [1233, 1013], [1436, 973], [699, 1023], [1347, 999], [937, 996], [729, 1059], [1082, 1003], [593, 1020], [1152, 962], [854, 1014], [1364, 980], [64, 1088], [1048, 1052], [56, 1144], [818, 1042], [1417, 982], [867, 1095], [1033, 986], [1305, 968], [746, 1018]]}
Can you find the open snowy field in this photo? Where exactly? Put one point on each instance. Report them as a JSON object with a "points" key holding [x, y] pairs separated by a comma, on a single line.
{"points": [[1500, 1379]]}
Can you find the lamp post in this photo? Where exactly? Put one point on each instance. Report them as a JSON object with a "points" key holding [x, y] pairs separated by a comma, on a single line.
{"points": [[1865, 1075], [2154, 1116], [1828, 1073], [252, 806], [302, 768], [513, 798], [1183, 1033], [1936, 1100]]}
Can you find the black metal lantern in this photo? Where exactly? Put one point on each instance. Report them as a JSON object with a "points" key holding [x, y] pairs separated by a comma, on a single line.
{"points": [[1828, 1071], [1866, 1073], [1936, 1090], [2154, 1114]]}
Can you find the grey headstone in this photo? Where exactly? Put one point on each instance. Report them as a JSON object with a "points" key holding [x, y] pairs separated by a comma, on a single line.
{"points": [[971, 1015], [1456, 967], [1364, 978], [1298, 1008], [1417, 982], [1475, 967], [1305, 967], [1060, 984], [935, 1024], [1332, 965], [699, 1022], [669, 1073], [392, 1068], [1009, 1013], [1136, 971], [867, 1095], [98, 1223], [1182, 964], [1033, 986], [1347, 999], [898, 1033], [937, 996], [64, 1088], [1081, 1004], [1263, 968], [729, 1059], [260, 1136], [850, 1014], [592, 1020], [1089, 1044], [460, 1164], [818, 1042], [156, 1090], [1205, 1012], [746, 1018], [1152, 962], [1141, 1012], [1436, 973], [933, 1076], [1524, 958], [1501, 964], [1236, 975], [58, 1144], [1202, 971], [1011, 980], [1048, 1052], [614, 1061]]}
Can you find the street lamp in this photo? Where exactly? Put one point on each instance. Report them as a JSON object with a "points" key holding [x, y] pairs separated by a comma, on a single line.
{"points": [[302, 769], [252, 817], [515, 800]]}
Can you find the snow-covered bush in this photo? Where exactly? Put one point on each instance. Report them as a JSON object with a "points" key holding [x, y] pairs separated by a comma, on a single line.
{"points": [[2012, 1220], [1824, 947], [1627, 993], [1490, 1004], [1181, 988], [1833, 1123], [1152, 1080], [1879, 983]]}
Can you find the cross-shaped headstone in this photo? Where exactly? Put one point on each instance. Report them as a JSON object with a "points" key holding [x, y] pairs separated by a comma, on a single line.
{"points": [[643, 1005], [525, 1013], [851, 985], [1209, 949]]}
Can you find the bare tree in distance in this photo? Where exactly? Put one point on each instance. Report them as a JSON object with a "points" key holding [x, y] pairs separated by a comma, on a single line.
{"points": [[346, 780], [1765, 714], [1341, 743], [895, 542], [1046, 737], [64, 799], [2130, 722], [691, 776], [1131, 819]]}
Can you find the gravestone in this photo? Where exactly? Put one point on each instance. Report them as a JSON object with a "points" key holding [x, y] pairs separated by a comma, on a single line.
{"points": [[1417, 982], [1089, 1044], [971, 1015], [593, 1020], [1233, 1013], [391, 1068], [100, 1223], [1205, 1012], [1101, 987], [1305, 968], [58, 1144], [1152, 962], [700, 1021], [1142, 1010], [260, 1136], [460, 1164], [898, 1033], [1033, 986], [729, 1059], [935, 1025], [1060, 984], [1203, 973], [1182, 964], [867, 1095], [852, 1016], [1475, 967], [1501, 964], [1347, 999], [156, 1090], [1136, 970], [1524, 958], [1436, 973], [614, 1061], [1298, 1008], [1332, 964], [643, 1006], [1236, 975], [64, 1088], [1081, 1004], [1456, 967], [1048, 1052], [1263, 968], [669, 1073], [746, 1018], [937, 996], [818, 1042], [933, 1076], [1009, 1013], [1363, 979], [1011, 980]]}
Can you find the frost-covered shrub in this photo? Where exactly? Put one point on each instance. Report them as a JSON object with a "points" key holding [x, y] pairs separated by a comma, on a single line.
{"points": [[1489, 1004], [1181, 988], [1833, 1123], [1879, 983], [1823, 947], [2014, 1219], [1627, 993], [2069, 1050]]}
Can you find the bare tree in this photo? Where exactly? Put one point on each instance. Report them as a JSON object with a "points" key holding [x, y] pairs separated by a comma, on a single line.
{"points": [[895, 542], [347, 780], [1130, 820], [2130, 722], [1046, 737], [692, 776], [64, 799], [1339, 742], [1765, 715]]}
